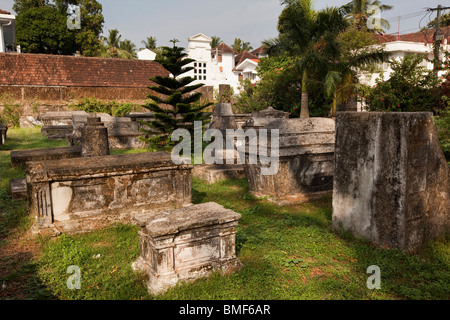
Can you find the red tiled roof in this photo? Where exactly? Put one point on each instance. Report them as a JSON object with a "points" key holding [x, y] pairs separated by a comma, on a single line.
{"points": [[260, 50], [242, 56], [4, 12], [70, 71], [224, 48], [425, 36]]}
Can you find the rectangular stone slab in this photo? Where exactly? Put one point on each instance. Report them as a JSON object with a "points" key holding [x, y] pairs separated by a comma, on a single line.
{"points": [[20, 157]]}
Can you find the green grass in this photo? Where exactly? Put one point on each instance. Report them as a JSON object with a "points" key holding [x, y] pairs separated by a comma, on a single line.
{"points": [[287, 252]]}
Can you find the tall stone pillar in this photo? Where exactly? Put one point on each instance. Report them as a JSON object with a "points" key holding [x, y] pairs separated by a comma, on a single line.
{"points": [[94, 138]]}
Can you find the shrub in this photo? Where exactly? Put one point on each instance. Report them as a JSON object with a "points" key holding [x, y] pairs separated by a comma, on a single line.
{"points": [[410, 88], [11, 111], [113, 108]]}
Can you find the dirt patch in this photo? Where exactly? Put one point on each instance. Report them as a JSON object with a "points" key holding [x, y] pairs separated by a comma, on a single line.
{"points": [[17, 269]]}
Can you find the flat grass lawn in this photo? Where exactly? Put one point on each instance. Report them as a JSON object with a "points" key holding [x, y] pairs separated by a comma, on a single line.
{"points": [[287, 252]]}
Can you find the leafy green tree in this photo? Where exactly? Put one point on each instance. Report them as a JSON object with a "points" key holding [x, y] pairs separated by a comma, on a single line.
{"points": [[240, 46], [177, 105], [35, 37], [149, 43], [445, 21], [411, 87], [215, 41], [112, 46], [87, 39], [43, 29]]}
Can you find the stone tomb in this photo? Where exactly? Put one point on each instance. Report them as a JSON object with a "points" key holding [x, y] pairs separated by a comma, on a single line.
{"points": [[186, 244], [222, 119], [81, 194], [58, 124], [391, 183], [305, 164], [123, 132]]}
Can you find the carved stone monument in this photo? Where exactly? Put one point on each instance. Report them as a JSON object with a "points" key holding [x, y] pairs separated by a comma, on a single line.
{"points": [[391, 183], [186, 244]]}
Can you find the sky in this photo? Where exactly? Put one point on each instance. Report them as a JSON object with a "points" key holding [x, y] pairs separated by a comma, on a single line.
{"points": [[251, 20]]}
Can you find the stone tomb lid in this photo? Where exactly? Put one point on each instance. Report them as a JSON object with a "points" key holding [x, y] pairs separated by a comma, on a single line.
{"points": [[100, 166], [310, 125], [190, 217]]}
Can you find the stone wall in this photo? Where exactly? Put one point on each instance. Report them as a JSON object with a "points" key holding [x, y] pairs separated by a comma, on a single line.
{"points": [[391, 182]]}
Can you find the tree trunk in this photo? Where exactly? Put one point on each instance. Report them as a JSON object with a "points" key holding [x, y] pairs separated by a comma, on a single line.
{"points": [[334, 105], [304, 109]]}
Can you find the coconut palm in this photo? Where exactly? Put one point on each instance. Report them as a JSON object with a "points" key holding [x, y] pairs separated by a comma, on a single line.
{"points": [[240, 46], [149, 43], [215, 41], [358, 12], [112, 45], [128, 46]]}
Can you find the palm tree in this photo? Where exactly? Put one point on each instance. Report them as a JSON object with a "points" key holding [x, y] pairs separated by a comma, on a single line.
{"points": [[149, 43], [113, 49], [309, 36], [358, 12], [215, 41], [240, 46], [128, 46]]}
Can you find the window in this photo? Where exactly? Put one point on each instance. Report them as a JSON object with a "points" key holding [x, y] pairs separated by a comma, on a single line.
{"points": [[219, 58], [200, 70]]}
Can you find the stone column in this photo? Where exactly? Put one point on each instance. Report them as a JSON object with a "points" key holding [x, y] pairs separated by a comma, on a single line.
{"points": [[94, 138]]}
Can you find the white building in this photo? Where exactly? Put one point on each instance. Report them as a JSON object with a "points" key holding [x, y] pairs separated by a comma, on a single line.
{"points": [[146, 54], [221, 65], [7, 31], [420, 43]]}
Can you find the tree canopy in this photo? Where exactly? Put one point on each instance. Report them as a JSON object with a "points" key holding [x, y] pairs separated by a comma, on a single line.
{"points": [[42, 27]]}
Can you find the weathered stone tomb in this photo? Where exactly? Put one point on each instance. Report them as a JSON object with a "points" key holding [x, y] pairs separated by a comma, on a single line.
{"points": [[123, 132], [81, 194], [186, 244], [391, 183], [305, 163]]}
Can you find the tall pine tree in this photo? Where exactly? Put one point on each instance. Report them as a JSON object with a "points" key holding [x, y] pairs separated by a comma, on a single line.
{"points": [[177, 106]]}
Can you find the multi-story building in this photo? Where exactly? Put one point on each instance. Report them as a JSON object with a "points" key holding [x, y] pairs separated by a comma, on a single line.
{"points": [[7, 32]]}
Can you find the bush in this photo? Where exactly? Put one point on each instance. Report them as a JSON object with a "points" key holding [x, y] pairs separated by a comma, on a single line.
{"points": [[442, 122], [411, 88], [11, 111], [280, 88], [113, 108]]}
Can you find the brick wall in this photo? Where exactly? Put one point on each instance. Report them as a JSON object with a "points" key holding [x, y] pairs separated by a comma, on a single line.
{"points": [[54, 81], [69, 71]]}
